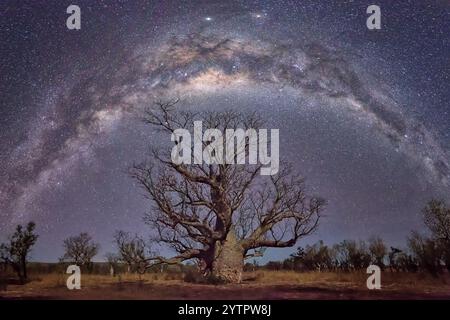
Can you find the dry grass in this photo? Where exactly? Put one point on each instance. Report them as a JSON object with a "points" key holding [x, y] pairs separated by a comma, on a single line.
{"points": [[261, 277], [93, 280], [349, 279], [256, 285], [389, 280]]}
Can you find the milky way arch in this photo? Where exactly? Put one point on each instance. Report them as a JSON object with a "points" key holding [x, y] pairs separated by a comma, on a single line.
{"points": [[199, 64]]}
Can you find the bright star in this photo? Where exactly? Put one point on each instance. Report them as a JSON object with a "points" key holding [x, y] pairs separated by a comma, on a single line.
{"points": [[256, 15]]}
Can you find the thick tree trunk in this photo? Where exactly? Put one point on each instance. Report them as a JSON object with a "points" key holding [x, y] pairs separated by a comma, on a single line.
{"points": [[228, 260], [24, 269]]}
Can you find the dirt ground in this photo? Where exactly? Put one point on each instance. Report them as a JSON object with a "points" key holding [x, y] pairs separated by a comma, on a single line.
{"points": [[270, 285]]}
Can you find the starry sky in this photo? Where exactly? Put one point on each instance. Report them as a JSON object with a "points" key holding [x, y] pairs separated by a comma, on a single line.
{"points": [[363, 114]]}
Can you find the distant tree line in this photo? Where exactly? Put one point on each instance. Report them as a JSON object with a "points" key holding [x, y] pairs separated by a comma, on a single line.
{"points": [[429, 253], [423, 253]]}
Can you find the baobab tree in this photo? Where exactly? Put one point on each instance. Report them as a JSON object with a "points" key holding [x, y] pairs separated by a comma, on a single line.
{"points": [[220, 214]]}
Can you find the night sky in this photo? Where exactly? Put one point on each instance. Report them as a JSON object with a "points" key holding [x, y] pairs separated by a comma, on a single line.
{"points": [[363, 114]]}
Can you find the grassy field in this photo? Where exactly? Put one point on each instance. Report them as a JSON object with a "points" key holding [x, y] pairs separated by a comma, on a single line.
{"points": [[256, 285]]}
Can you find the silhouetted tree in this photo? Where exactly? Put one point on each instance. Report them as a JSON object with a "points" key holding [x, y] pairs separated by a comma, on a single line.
{"points": [[133, 251], [426, 252], [16, 251], [437, 219], [352, 255], [297, 259], [378, 251], [314, 257], [80, 250]]}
